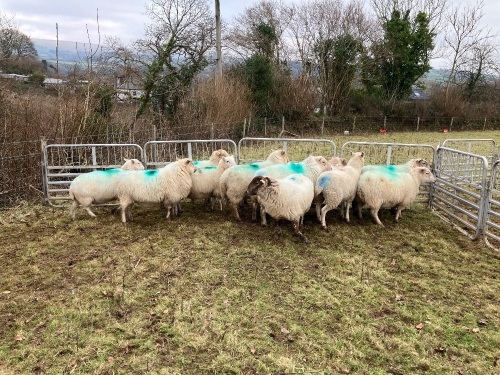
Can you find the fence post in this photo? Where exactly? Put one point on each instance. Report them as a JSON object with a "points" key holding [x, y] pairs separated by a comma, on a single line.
{"points": [[418, 122], [385, 122], [265, 126], [244, 127], [43, 144], [323, 126], [212, 130], [451, 123], [484, 124], [354, 124], [282, 124]]}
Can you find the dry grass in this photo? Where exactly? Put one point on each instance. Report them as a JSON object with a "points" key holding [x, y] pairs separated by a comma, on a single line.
{"points": [[204, 294]]}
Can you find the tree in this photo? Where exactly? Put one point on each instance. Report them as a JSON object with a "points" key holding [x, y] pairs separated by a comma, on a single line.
{"points": [[327, 37], [397, 61], [14, 43], [337, 62], [471, 55], [174, 51]]}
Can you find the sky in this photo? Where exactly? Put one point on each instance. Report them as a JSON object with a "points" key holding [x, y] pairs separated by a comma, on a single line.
{"points": [[126, 19], [121, 18]]}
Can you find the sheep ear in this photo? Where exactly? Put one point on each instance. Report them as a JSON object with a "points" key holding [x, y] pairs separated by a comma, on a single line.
{"points": [[362, 154], [126, 159]]}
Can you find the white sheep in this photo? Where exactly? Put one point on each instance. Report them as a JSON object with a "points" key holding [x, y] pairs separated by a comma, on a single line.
{"points": [[206, 180], [167, 185], [98, 187], [213, 161], [412, 163], [286, 198], [379, 190], [337, 161], [234, 181], [338, 188], [311, 167]]}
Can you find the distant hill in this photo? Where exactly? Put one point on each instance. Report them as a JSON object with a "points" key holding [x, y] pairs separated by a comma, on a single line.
{"points": [[69, 53]]}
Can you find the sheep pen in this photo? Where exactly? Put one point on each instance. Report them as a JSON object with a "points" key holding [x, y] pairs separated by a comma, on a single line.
{"points": [[207, 294]]}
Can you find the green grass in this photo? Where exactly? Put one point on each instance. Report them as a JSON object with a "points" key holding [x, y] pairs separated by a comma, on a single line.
{"points": [[203, 294]]}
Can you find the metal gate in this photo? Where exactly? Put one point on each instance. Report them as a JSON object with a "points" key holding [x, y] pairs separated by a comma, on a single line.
{"points": [[492, 224], [61, 163], [393, 153], [159, 153], [460, 191], [257, 149], [485, 147]]}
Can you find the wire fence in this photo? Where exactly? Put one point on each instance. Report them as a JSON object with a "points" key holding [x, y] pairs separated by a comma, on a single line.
{"points": [[20, 159]]}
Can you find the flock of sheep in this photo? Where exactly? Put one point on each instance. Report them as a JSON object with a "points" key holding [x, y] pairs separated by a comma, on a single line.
{"points": [[276, 187]]}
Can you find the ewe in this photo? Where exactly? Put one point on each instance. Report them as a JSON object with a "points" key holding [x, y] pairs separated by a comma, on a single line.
{"points": [[234, 181], [167, 185], [287, 198], [98, 187], [338, 188], [379, 190]]}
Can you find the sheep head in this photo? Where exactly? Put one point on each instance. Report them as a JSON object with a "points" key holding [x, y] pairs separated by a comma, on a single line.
{"points": [[258, 183]]}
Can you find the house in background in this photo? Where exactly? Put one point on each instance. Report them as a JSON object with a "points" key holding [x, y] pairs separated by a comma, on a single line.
{"points": [[129, 89]]}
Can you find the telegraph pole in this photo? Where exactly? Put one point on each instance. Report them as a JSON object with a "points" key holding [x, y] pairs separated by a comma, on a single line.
{"points": [[218, 38]]}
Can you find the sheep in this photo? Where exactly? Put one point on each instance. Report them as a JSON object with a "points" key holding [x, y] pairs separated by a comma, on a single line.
{"points": [[286, 198], [311, 167], [213, 161], [338, 187], [234, 181], [97, 187], [206, 180], [412, 163], [167, 185], [387, 190], [337, 161]]}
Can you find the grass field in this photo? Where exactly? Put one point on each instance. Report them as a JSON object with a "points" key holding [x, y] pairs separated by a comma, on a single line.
{"points": [[203, 294]]}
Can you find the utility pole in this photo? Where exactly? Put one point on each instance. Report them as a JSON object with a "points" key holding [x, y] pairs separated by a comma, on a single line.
{"points": [[57, 48], [218, 38]]}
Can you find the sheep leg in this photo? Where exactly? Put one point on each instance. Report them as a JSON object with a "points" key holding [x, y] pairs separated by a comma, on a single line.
{"points": [[74, 207], [263, 218], [324, 210], [347, 207], [318, 210], [297, 231], [374, 213], [89, 211], [123, 207], [398, 213], [236, 214]]}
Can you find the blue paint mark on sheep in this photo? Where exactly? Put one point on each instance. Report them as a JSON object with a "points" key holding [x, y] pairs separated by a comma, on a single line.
{"points": [[151, 173], [112, 171], [297, 168], [323, 181]]}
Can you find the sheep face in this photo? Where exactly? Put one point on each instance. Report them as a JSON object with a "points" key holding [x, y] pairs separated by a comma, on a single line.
{"points": [[258, 183], [278, 156], [132, 165], [227, 162], [337, 161], [425, 175], [420, 163]]}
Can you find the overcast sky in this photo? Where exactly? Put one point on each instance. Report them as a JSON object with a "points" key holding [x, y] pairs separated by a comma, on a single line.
{"points": [[126, 18]]}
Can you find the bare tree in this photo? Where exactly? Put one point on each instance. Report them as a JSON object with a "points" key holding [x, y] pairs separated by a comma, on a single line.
{"points": [[327, 37], [174, 50], [465, 39], [244, 37]]}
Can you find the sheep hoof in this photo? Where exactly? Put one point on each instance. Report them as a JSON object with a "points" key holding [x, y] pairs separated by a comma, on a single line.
{"points": [[323, 227]]}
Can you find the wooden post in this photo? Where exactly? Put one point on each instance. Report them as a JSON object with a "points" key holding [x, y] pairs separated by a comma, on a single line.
{"points": [[244, 127], [354, 124], [451, 123], [43, 144], [418, 122], [385, 122], [212, 131], [484, 124], [323, 126], [265, 126]]}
